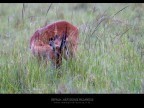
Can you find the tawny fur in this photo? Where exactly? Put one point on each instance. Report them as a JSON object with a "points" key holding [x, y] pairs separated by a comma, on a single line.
{"points": [[39, 42]]}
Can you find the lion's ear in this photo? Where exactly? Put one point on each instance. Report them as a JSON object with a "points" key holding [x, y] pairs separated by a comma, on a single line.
{"points": [[63, 41]]}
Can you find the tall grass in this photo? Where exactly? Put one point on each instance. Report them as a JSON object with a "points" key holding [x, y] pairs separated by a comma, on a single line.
{"points": [[109, 58]]}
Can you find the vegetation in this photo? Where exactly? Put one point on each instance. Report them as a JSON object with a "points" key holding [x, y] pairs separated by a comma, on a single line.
{"points": [[110, 55]]}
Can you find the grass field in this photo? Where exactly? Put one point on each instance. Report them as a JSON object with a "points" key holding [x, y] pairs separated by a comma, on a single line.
{"points": [[110, 55]]}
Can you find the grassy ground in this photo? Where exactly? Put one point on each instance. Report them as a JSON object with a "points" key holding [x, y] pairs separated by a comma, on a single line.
{"points": [[110, 55]]}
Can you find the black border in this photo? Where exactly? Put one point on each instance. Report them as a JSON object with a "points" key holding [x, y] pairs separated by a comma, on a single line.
{"points": [[72, 1], [117, 100]]}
